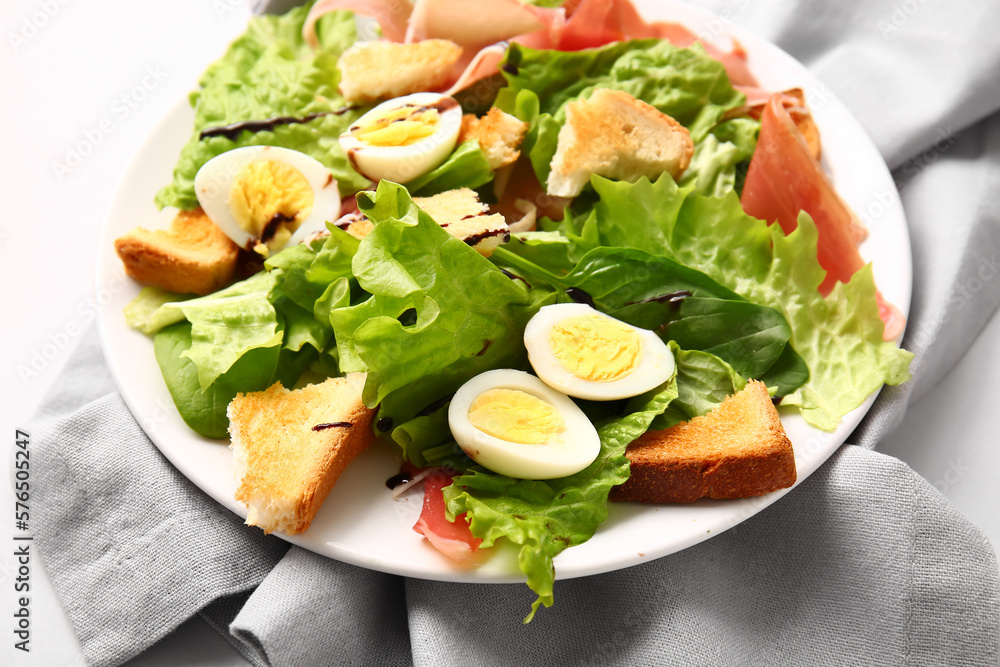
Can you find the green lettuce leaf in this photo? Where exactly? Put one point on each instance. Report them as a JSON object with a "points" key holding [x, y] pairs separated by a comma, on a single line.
{"points": [[277, 322], [439, 312], [679, 303], [426, 440], [685, 84], [554, 250], [205, 411], [228, 324], [546, 517], [838, 337], [143, 312], [703, 382], [466, 167], [714, 165], [270, 72]]}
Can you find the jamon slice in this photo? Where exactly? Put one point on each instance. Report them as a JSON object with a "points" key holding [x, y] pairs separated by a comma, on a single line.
{"points": [[454, 540], [784, 179]]}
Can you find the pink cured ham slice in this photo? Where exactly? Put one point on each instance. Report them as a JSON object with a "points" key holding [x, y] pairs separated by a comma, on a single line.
{"points": [[454, 540], [483, 64], [471, 25], [594, 23], [474, 25], [392, 16], [784, 179]]}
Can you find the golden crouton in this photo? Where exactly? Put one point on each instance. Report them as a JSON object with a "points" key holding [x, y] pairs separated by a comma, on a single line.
{"points": [[613, 134], [463, 216], [193, 256], [380, 70], [499, 135], [459, 212], [290, 447], [738, 450]]}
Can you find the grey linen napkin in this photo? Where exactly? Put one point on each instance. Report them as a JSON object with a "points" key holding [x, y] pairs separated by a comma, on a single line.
{"points": [[865, 559], [864, 562]]}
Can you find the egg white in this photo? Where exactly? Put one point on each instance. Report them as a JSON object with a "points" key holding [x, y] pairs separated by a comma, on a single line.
{"points": [[215, 179], [655, 364], [575, 449], [402, 164]]}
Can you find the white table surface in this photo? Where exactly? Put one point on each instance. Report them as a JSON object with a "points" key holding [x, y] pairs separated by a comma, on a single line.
{"points": [[100, 75]]}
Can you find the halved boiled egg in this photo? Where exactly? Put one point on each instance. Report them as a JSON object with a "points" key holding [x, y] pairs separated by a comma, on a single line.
{"points": [[514, 424], [267, 197], [582, 352], [404, 138]]}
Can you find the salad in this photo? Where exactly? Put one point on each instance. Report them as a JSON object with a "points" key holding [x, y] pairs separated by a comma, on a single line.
{"points": [[422, 312]]}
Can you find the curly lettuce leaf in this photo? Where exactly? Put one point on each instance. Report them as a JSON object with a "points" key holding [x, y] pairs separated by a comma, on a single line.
{"points": [[269, 327], [685, 84], [439, 312], [228, 324], [143, 312], [714, 166], [466, 167], [270, 72], [679, 303], [839, 337], [546, 517], [205, 411]]}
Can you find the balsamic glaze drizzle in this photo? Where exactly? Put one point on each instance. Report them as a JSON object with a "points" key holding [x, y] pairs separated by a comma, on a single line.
{"points": [[233, 130], [323, 427]]}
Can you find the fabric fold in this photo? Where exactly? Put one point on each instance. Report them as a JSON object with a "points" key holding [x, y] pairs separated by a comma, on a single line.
{"points": [[838, 572], [312, 610], [955, 245], [133, 549]]}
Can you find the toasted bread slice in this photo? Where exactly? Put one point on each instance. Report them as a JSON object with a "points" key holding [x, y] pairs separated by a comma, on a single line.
{"points": [[459, 212], [193, 256], [463, 216], [452, 205], [499, 135], [613, 134], [289, 448], [738, 450], [380, 69]]}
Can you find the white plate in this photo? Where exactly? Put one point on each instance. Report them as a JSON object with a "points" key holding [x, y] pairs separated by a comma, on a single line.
{"points": [[359, 523]]}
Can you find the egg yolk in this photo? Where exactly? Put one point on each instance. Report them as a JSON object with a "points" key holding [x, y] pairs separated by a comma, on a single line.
{"points": [[269, 200], [400, 127], [515, 416], [595, 348]]}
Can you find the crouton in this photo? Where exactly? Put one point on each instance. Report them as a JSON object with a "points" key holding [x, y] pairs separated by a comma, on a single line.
{"points": [[499, 135], [452, 205], [459, 212], [193, 256], [738, 450], [290, 447], [463, 216], [613, 134], [381, 70]]}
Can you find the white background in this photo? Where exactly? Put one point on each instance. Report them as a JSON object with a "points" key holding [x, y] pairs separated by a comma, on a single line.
{"points": [[94, 77]]}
